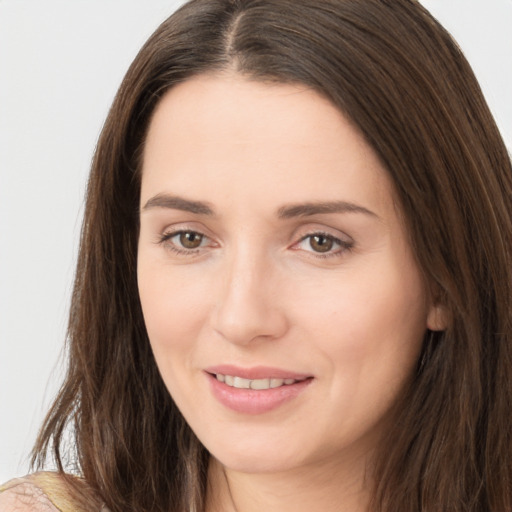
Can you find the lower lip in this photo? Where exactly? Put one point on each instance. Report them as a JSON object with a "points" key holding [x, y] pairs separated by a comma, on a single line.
{"points": [[252, 401]]}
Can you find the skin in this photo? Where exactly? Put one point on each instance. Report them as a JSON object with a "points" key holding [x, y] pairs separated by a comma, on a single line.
{"points": [[258, 291]]}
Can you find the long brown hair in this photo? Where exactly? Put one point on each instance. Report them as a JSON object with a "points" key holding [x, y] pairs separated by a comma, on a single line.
{"points": [[399, 76]]}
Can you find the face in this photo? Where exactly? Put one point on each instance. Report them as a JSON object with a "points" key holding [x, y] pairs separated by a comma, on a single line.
{"points": [[281, 298]]}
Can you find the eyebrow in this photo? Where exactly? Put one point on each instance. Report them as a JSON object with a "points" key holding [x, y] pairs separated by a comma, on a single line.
{"points": [[178, 203], [308, 209], [285, 212]]}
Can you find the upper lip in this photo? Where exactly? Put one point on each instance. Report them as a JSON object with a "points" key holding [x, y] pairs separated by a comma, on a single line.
{"points": [[256, 372]]}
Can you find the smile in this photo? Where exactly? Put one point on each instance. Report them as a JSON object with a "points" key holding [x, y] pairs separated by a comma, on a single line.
{"points": [[258, 384], [256, 390]]}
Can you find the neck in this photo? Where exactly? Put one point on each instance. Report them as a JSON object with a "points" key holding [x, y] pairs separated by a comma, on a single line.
{"points": [[327, 487]]}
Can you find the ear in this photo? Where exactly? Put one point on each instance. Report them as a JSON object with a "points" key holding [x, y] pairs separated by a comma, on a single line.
{"points": [[438, 318]]}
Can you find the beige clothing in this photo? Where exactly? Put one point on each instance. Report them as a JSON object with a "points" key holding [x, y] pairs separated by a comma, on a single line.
{"points": [[48, 492]]}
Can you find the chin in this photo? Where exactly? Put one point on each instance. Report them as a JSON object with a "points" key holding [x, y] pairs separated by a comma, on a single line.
{"points": [[256, 463], [256, 456]]}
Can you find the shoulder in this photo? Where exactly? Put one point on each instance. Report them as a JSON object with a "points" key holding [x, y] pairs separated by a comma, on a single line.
{"points": [[48, 492], [21, 495]]}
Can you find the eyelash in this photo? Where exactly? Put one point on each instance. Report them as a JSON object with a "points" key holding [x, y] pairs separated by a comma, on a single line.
{"points": [[344, 246], [165, 240]]}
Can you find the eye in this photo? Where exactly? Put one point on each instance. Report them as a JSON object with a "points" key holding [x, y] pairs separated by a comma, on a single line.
{"points": [[184, 241], [190, 239], [323, 244]]}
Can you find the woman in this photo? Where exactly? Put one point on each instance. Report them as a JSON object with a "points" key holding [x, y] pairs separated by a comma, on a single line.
{"points": [[294, 287]]}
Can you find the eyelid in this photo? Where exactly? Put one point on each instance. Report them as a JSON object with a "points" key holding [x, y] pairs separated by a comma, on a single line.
{"points": [[315, 228], [171, 234], [345, 242], [183, 227], [164, 238]]}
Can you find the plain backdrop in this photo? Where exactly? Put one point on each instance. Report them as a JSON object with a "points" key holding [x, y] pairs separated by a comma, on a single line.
{"points": [[60, 65]]}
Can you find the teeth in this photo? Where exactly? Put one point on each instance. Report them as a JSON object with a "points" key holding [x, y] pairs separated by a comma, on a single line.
{"points": [[260, 384], [276, 383], [241, 383]]}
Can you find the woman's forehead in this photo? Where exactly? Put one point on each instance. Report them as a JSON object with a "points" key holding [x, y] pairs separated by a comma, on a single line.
{"points": [[228, 137]]}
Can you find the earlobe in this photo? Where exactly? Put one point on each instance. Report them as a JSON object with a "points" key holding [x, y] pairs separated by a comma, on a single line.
{"points": [[438, 318]]}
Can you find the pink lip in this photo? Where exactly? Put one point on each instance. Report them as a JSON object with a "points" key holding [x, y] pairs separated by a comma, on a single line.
{"points": [[256, 372], [251, 401]]}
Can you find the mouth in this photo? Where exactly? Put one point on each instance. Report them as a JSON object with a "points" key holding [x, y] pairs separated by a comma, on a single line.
{"points": [[256, 390], [234, 381]]}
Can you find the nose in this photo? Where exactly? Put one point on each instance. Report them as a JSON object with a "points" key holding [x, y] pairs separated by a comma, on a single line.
{"points": [[249, 308]]}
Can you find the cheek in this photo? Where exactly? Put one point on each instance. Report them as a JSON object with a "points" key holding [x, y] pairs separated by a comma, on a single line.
{"points": [[369, 325], [174, 309], [365, 305]]}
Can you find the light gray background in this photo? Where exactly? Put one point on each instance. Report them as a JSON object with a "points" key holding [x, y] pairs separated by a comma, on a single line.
{"points": [[60, 65]]}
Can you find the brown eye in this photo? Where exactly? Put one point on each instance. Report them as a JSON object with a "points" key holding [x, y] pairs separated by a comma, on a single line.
{"points": [[190, 239], [321, 243]]}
